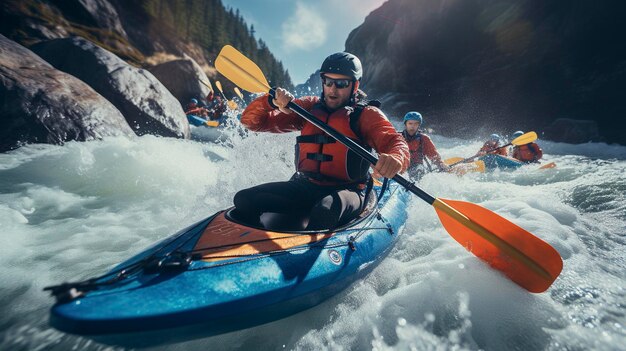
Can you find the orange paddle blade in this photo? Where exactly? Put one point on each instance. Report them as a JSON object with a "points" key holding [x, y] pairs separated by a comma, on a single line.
{"points": [[548, 165], [527, 260]]}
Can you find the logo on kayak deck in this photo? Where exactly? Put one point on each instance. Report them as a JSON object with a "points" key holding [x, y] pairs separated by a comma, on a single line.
{"points": [[335, 257]]}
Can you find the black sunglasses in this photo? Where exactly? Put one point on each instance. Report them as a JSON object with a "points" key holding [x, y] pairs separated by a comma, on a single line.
{"points": [[339, 83]]}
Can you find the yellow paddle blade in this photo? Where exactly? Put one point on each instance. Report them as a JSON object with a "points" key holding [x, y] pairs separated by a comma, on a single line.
{"points": [[232, 105], [452, 160], [524, 139], [241, 70], [463, 168], [219, 86], [238, 92], [480, 166], [208, 85], [527, 260], [212, 123], [548, 165]]}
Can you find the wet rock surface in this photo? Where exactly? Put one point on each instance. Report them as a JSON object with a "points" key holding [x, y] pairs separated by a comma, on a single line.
{"points": [[40, 104]]}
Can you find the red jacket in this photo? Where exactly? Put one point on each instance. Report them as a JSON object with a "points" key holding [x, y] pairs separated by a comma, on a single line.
{"points": [[420, 145], [374, 128], [197, 111]]}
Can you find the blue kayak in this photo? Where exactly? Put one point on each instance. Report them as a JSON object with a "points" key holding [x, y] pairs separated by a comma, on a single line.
{"points": [[220, 275], [497, 161], [196, 120], [200, 121]]}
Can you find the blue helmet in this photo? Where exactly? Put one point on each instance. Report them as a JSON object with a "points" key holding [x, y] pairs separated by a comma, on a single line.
{"points": [[413, 116], [494, 137], [194, 101], [517, 134]]}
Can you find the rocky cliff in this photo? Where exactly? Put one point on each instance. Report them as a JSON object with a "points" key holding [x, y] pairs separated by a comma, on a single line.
{"points": [[476, 67]]}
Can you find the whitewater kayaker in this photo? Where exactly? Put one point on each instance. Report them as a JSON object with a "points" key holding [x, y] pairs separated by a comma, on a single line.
{"points": [[194, 108], [421, 146], [216, 108], [193, 103], [527, 153], [331, 182], [492, 146]]}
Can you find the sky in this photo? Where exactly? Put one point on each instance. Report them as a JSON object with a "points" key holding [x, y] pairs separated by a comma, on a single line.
{"points": [[302, 33]]}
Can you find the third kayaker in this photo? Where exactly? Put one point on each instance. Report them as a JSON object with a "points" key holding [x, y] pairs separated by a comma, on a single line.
{"points": [[492, 146], [331, 181], [527, 153], [421, 146]]}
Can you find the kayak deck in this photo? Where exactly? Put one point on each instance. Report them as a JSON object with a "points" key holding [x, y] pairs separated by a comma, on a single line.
{"points": [[498, 161], [234, 272]]}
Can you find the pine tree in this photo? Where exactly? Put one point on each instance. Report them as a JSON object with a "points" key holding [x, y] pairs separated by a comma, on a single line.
{"points": [[210, 25]]}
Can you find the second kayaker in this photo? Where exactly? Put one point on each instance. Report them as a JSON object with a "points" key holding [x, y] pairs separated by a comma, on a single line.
{"points": [[421, 146], [492, 147]]}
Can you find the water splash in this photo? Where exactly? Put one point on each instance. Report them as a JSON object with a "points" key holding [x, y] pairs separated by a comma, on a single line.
{"points": [[73, 211]]}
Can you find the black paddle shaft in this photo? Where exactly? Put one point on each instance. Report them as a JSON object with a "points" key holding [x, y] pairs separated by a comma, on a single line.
{"points": [[410, 186], [473, 157]]}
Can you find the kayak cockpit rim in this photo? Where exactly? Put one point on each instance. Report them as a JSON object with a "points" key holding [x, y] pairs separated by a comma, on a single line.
{"points": [[283, 225]]}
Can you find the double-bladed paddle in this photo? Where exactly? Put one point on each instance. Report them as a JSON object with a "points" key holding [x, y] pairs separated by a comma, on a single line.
{"points": [[231, 104], [520, 140], [525, 259], [238, 92]]}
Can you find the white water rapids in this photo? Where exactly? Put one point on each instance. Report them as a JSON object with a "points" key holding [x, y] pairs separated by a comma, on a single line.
{"points": [[72, 212]]}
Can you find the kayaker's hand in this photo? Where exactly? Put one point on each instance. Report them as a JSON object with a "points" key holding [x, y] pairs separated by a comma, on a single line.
{"points": [[387, 166], [444, 167], [481, 153], [283, 97], [375, 174]]}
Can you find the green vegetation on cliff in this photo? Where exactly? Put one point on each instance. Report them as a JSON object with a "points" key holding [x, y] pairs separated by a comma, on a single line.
{"points": [[136, 30], [210, 25]]}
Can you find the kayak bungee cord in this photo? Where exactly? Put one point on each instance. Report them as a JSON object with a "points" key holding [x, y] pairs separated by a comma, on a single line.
{"points": [[172, 260]]}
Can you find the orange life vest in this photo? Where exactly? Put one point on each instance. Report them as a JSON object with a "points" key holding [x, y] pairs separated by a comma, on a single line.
{"points": [[527, 153], [322, 158]]}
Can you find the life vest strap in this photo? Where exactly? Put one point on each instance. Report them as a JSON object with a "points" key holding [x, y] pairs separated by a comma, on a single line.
{"points": [[316, 139], [319, 157]]}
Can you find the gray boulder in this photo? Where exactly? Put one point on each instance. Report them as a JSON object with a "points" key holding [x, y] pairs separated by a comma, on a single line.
{"points": [[39, 104], [149, 108], [572, 131], [103, 14], [92, 13], [182, 78]]}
